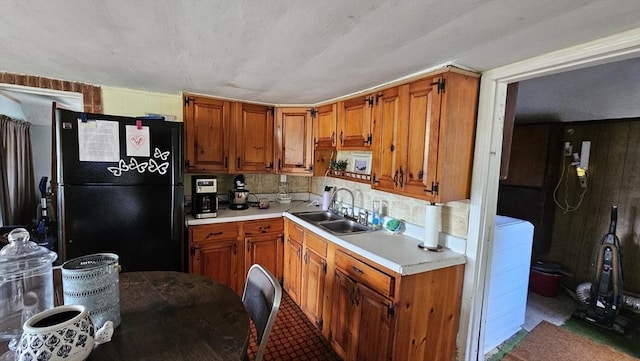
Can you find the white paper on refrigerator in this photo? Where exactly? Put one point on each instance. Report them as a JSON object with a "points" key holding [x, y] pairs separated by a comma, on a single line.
{"points": [[98, 141], [138, 144]]}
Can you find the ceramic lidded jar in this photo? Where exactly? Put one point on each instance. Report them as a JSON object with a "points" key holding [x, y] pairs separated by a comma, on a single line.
{"points": [[26, 282]]}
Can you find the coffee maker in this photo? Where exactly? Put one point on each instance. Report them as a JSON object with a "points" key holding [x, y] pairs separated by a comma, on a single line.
{"points": [[238, 195], [204, 196]]}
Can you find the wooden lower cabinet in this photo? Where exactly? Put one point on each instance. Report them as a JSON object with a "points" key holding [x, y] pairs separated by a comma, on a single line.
{"points": [[215, 252], [225, 251], [370, 312], [362, 326], [292, 269], [292, 282], [314, 270]]}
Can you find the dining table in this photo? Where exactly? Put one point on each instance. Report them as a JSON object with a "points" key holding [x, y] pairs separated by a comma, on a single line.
{"points": [[169, 316]]}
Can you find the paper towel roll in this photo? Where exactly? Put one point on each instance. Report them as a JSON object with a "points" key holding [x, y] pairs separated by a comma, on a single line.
{"points": [[432, 225]]}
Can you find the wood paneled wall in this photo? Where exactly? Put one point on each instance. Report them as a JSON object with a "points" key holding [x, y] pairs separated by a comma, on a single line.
{"points": [[614, 179], [91, 94]]}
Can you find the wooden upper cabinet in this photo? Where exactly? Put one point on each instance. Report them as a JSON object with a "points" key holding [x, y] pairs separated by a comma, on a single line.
{"points": [[355, 123], [294, 149], [388, 150], [207, 134], [424, 121], [456, 137], [426, 151], [324, 126], [253, 128]]}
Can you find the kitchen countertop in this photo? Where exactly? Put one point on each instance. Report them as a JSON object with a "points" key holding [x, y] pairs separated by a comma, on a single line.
{"points": [[225, 214], [399, 253]]}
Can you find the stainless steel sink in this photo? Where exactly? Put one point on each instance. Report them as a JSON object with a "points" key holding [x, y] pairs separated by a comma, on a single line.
{"points": [[318, 216], [344, 226], [333, 223]]}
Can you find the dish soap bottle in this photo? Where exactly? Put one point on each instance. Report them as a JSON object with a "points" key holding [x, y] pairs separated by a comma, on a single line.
{"points": [[375, 215]]}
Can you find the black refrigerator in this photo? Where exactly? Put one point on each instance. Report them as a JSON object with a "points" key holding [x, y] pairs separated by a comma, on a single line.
{"points": [[120, 189]]}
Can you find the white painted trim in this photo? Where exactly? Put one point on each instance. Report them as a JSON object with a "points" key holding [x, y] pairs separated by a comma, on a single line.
{"points": [[43, 91], [486, 165]]}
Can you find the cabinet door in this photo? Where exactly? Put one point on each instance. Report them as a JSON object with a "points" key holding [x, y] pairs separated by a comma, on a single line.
{"points": [[253, 126], [422, 140], [314, 269], [267, 251], [354, 123], [219, 261], [324, 127], [343, 308], [293, 141], [376, 325], [388, 163], [292, 268], [207, 134]]}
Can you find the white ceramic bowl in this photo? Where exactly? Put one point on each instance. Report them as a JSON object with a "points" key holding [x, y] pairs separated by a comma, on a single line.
{"points": [[60, 333]]}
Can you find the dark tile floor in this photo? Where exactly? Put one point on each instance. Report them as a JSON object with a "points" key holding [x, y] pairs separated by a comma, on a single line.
{"points": [[293, 337]]}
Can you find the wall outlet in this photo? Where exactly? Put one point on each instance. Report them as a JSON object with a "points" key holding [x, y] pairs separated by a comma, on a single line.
{"points": [[567, 149]]}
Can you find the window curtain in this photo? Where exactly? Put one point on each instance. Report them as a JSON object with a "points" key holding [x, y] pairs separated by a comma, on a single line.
{"points": [[17, 185]]}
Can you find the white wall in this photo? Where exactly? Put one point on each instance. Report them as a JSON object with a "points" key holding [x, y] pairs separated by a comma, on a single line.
{"points": [[10, 108]]}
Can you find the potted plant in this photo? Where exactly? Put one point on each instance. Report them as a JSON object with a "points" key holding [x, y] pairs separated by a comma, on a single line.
{"points": [[337, 166]]}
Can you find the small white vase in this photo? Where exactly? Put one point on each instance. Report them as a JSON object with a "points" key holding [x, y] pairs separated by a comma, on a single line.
{"points": [[63, 333]]}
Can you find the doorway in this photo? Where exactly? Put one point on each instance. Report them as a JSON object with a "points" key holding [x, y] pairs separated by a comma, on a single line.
{"points": [[487, 163], [34, 105]]}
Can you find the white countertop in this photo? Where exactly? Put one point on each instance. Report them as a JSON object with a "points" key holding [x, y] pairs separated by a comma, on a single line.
{"points": [[225, 214], [398, 253]]}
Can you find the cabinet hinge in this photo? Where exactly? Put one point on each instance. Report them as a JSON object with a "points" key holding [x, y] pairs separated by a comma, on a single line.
{"points": [[369, 100], [391, 311], [313, 112], [434, 188], [324, 267], [186, 101], [272, 110], [440, 84], [320, 324], [369, 139]]}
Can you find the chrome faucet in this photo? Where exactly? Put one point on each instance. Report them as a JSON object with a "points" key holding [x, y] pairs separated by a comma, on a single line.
{"points": [[345, 213]]}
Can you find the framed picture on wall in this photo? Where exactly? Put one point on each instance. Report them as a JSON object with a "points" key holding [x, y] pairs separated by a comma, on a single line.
{"points": [[361, 163]]}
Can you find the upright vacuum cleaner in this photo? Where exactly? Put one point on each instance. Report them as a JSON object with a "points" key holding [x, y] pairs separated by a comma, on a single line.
{"points": [[605, 296]]}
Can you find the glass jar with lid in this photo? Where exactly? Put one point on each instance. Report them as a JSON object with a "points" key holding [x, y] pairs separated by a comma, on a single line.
{"points": [[26, 284]]}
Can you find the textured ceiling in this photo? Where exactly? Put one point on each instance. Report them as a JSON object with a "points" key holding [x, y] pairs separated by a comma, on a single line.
{"points": [[288, 52]]}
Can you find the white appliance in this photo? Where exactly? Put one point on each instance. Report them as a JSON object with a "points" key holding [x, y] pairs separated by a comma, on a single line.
{"points": [[508, 280]]}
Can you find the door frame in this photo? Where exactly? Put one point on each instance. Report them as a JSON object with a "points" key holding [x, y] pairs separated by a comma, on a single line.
{"points": [[486, 166]]}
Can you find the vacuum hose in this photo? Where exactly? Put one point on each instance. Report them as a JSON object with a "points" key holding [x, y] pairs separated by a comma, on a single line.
{"points": [[629, 302]]}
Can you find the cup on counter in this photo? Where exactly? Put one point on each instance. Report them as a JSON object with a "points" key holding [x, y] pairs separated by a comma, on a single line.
{"points": [[263, 203]]}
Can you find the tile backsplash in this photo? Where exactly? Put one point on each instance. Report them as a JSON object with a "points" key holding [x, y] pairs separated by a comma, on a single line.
{"points": [[455, 215], [256, 183]]}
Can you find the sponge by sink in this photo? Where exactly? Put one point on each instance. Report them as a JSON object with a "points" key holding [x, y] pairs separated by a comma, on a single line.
{"points": [[393, 225]]}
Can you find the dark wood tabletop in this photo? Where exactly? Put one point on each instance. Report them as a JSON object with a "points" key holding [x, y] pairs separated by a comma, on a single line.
{"points": [[176, 316], [170, 316]]}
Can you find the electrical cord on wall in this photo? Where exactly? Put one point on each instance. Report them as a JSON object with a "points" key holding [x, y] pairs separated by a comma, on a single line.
{"points": [[566, 208]]}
